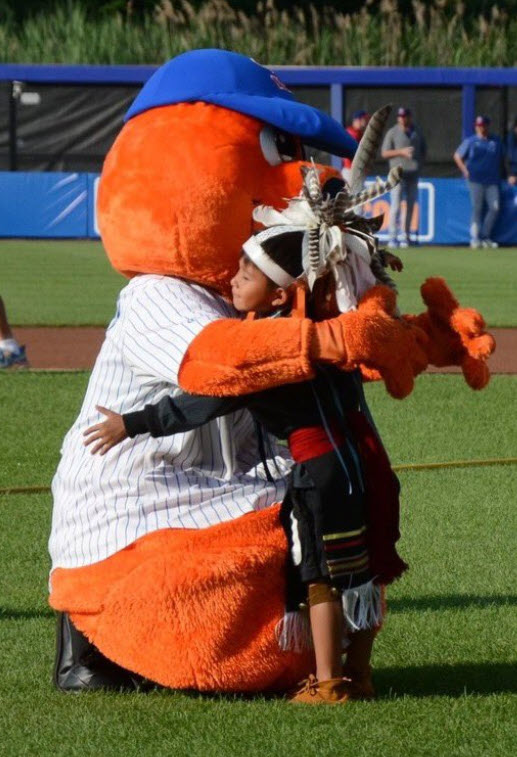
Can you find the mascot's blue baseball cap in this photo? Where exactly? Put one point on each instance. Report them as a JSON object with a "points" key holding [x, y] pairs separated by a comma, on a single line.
{"points": [[236, 82]]}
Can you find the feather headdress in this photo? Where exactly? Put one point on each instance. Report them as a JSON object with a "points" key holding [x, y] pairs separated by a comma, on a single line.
{"points": [[336, 239]]}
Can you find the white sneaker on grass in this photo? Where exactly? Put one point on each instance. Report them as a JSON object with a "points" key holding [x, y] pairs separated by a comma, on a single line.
{"points": [[14, 360], [489, 244], [475, 244]]}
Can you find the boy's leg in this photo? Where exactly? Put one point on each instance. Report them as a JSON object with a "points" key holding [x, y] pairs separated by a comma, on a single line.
{"points": [[327, 630], [328, 686], [357, 667]]}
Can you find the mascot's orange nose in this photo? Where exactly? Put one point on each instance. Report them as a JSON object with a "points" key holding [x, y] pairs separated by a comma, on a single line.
{"points": [[178, 190]]}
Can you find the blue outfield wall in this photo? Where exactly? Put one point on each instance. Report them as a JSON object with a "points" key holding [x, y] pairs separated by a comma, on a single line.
{"points": [[62, 205], [48, 205]]}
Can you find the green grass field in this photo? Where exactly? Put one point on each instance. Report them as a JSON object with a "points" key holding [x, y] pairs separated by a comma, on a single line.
{"points": [[56, 283], [446, 662]]}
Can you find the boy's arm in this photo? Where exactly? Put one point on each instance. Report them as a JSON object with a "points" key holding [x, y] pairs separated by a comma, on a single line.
{"points": [[172, 415]]}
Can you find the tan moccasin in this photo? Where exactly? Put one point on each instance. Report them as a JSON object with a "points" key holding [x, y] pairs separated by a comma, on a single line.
{"points": [[312, 691]]}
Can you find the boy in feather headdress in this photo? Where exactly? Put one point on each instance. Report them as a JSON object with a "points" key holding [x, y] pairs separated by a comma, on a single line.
{"points": [[342, 543]]}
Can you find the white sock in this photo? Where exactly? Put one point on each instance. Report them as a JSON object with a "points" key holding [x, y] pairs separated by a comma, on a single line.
{"points": [[10, 345]]}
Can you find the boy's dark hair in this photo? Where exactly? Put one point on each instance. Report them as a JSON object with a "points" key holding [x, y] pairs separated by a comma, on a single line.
{"points": [[286, 251]]}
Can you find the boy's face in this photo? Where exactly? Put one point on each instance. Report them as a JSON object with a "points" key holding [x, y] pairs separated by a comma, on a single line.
{"points": [[252, 290]]}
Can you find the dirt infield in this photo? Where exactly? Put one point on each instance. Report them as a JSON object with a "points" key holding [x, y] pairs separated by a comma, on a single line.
{"points": [[71, 348]]}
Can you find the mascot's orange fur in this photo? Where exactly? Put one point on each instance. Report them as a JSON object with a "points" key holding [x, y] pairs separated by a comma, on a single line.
{"points": [[197, 609]]}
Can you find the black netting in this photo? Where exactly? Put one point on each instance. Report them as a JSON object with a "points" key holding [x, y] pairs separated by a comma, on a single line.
{"points": [[491, 101], [436, 111], [71, 128]]}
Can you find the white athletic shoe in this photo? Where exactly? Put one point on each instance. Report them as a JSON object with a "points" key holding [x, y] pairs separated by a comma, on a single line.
{"points": [[475, 244], [13, 361], [489, 244]]}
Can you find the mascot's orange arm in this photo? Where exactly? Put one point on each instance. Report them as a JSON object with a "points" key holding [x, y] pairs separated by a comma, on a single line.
{"points": [[231, 357]]}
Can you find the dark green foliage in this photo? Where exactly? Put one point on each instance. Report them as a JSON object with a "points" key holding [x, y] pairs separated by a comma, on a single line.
{"points": [[21, 10], [387, 32]]}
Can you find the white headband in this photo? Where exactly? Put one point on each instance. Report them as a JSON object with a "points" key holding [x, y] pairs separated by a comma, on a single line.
{"points": [[261, 259]]}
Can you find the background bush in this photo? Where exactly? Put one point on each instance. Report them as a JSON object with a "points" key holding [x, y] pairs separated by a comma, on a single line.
{"points": [[375, 32]]}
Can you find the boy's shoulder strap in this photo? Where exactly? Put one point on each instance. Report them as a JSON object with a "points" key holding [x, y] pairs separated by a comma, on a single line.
{"points": [[299, 309]]}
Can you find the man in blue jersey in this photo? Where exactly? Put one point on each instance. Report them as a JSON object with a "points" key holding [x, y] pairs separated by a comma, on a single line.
{"points": [[480, 159]]}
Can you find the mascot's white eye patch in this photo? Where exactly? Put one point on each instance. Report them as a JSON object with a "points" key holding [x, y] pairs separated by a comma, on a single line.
{"points": [[278, 146]]}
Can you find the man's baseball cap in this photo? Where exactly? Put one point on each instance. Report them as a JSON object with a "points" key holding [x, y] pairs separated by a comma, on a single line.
{"points": [[482, 121], [237, 82], [403, 112], [359, 114]]}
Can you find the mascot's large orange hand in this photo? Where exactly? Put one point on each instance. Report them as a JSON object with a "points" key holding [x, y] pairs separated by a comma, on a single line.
{"points": [[457, 336], [371, 336]]}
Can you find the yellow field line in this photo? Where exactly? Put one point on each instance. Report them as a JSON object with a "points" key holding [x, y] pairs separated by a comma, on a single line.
{"points": [[456, 464], [402, 467], [24, 489]]}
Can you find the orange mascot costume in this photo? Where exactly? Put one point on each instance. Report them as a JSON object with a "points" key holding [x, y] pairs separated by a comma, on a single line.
{"points": [[155, 575]]}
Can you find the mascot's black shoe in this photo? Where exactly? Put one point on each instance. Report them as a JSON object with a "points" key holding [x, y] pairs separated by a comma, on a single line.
{"points": [[81, 667]]}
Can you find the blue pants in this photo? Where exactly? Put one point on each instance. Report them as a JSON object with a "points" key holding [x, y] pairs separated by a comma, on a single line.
{"points": [[479, 195], [407, 188]]}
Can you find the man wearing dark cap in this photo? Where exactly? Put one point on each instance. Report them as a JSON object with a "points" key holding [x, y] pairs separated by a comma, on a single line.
{"points": [[356, 130], [403, 145], [480, 159]]}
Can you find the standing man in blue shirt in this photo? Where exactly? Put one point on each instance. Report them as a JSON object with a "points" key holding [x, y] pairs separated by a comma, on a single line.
{"points": [[480, 159]]}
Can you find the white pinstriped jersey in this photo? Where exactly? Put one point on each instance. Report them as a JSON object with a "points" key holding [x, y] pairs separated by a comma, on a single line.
{"points": [[190, 480]]}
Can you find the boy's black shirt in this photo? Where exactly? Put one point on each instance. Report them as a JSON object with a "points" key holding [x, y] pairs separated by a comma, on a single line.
{"points": [[280, 410]]}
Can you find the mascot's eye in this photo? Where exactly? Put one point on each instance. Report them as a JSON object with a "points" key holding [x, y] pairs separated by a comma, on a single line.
{"points": [[279, 147]]}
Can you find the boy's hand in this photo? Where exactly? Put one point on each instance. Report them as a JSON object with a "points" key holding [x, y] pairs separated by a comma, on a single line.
{"points": [[394, 262], [106, 434]]}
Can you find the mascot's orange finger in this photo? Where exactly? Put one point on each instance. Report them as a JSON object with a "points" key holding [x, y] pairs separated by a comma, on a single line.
{"points": [[470, 325], [378, 298], [468, 321], [369, 374], [476, 372], [438, 297], [481, 347], [399, 383]]}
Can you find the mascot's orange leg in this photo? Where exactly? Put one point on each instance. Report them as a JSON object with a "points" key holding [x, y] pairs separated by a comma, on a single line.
{"points": [[201, 606]]}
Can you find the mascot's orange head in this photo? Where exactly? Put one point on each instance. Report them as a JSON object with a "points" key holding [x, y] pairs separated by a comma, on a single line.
{"points": [[210, 136]]}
